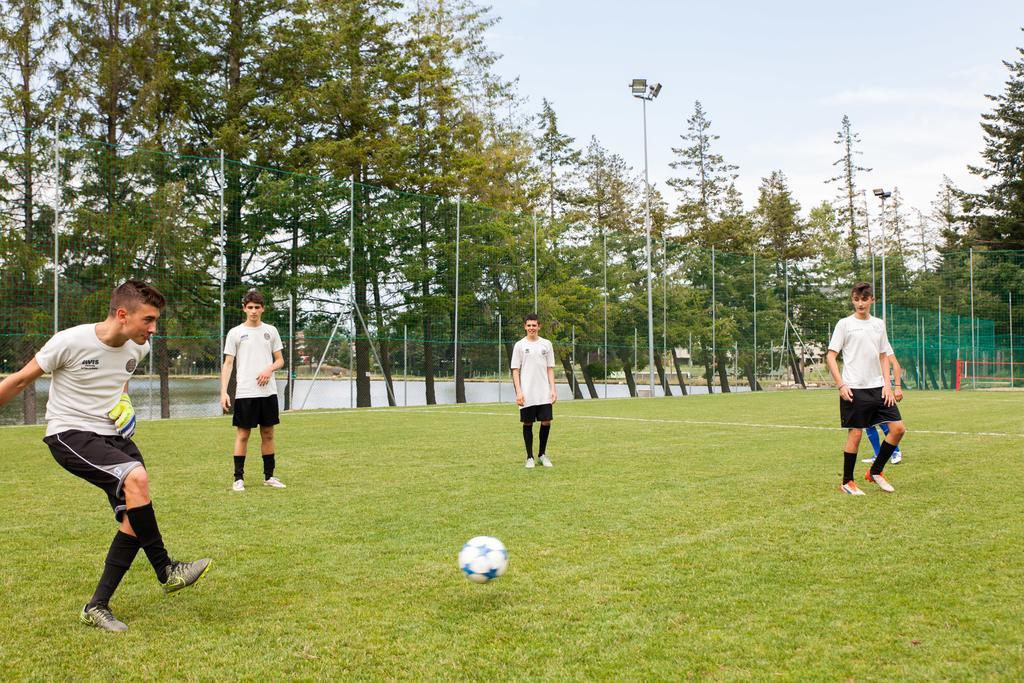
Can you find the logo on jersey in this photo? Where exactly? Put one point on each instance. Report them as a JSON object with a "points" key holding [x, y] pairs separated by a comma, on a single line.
{"points": [[91, 364], [243, 337], [543, 352], [526, 350], [117, 472], [266, 335], [131, 365]]}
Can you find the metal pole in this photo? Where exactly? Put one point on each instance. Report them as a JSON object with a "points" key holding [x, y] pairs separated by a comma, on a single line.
{"points": [[942, 367], [405, 363], [604, 268], [664, 299], [223, 263], [974, 353], [714, 318], [572, 363], [917, 347], [499, 357], [352, 288], [754, 388], [882, 220], [636, 358], [1010, 294], [458, 235], [535, 263], [56, 229], [647, 231], [150, 385], [291, 349]]}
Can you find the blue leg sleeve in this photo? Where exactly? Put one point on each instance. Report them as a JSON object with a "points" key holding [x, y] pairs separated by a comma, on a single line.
{"points": [[876, 441]]}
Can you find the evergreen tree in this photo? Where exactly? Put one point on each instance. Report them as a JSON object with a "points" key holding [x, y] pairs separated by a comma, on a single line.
{"points": [[997, 214], [846, 199], [706, 177], [555, 153]]}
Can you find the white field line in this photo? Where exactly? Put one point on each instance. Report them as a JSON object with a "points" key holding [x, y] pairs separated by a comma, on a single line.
{"points": [[715, 423]]}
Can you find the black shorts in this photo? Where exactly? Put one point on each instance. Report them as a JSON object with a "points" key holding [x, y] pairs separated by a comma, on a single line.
{"points": [[101, 460], [866, 409], [250, 412], [541, 413]]}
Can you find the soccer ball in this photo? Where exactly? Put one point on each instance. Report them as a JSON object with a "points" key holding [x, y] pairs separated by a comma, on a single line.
{"points": [[483, 558]]}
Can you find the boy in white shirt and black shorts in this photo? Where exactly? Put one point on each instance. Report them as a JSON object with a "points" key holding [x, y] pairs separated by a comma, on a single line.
{"points": [[90, 423], [257, 346], [533, 375], [865, 397]]}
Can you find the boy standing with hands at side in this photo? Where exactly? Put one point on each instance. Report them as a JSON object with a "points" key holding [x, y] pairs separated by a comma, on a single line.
{"points": [[257, 346], [865, 397]]}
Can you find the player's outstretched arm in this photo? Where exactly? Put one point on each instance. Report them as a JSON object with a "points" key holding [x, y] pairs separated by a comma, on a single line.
{"points": [[14, 384]]}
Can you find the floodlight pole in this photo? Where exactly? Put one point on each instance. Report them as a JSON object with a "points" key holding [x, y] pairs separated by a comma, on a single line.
{"points": [[648, 93], [56, 229], [223, 265], [882, 196]]}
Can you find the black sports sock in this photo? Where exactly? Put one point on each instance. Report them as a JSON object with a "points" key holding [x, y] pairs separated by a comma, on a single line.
{"points": [[268, 466], [544, 429], [528, 439], [239, 467], [884, 453], [122, 552], [849, 460], [143, 521]]}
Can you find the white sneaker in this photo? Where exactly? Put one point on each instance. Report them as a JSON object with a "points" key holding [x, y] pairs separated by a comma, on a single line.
{"points": [[274, 482], [868, 460], [880, 480], [897, 457], [544, 460], [529, 463], [239, 485], [850, 487]]}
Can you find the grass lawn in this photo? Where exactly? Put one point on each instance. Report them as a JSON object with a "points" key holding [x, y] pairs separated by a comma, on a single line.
{"points": [[692, 537]]}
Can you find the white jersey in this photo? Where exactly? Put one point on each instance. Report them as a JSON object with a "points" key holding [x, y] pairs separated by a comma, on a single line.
{"points": [[87, 378], [861, 342], [533, 359], [253, 349]]}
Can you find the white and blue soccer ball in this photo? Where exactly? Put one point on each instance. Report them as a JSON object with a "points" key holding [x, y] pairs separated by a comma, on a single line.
{"points": [[483, 558]]}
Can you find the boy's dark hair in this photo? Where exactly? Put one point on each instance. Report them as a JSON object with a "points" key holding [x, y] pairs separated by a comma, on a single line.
{"points": [[132, 294], [253, 296], [862, 290], [531, 316]]}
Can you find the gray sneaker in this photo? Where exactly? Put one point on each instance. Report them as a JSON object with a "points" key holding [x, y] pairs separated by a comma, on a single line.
{"points": [[544, 460], [102, 618], [184, 574]]}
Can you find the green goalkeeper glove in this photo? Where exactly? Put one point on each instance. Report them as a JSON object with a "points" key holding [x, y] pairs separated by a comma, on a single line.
{"points": [[123, 416]]}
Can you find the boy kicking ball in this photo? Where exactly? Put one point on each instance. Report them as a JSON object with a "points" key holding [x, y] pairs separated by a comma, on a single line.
{"points": [[865, 397]]}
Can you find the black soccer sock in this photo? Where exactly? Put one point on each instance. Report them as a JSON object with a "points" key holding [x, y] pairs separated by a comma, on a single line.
{"points": [[849, 460], [268, 466], [528, 439], [119, 558], [884, 453], [143, 521], [239, 467], [544, 430]]}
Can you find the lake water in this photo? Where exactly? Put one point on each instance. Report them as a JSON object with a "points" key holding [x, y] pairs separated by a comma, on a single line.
{"points": [[200, 396]]}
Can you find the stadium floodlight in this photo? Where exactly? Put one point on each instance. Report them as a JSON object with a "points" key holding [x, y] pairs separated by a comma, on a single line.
{"points": [[644, 93], [882, 196]]}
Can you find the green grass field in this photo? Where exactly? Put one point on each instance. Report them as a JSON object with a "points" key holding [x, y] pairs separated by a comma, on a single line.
{"points": [[693, 537]]}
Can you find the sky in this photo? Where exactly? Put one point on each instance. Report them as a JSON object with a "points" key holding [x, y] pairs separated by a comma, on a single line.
{"points": [[775, 79]]}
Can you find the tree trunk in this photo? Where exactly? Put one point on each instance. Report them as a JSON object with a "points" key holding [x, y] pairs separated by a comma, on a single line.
{"points": [[627, 369], [794, 364], [748, 370], [591, 389], [709, 371], [660, 366], [28, 396], [723, 375], [679, 373], [571, 376], [383, 343], [163, 369]]}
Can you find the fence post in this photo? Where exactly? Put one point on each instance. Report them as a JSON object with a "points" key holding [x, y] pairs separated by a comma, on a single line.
{"points": [[223, 266], [535, 263], [56, 229], [499, 357], [1010, 295], [714, 320], [405, 361], [604, 295], [974, 351], [754, 289], [352, 288], [291, 349], [458, 235]]}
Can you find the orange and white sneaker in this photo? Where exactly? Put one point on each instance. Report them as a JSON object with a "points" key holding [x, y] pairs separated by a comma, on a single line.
{"points": [[850, 487], [880, 480]]}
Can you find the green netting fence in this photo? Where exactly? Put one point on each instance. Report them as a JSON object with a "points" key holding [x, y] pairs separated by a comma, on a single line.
{"points": [[390, 298]]}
